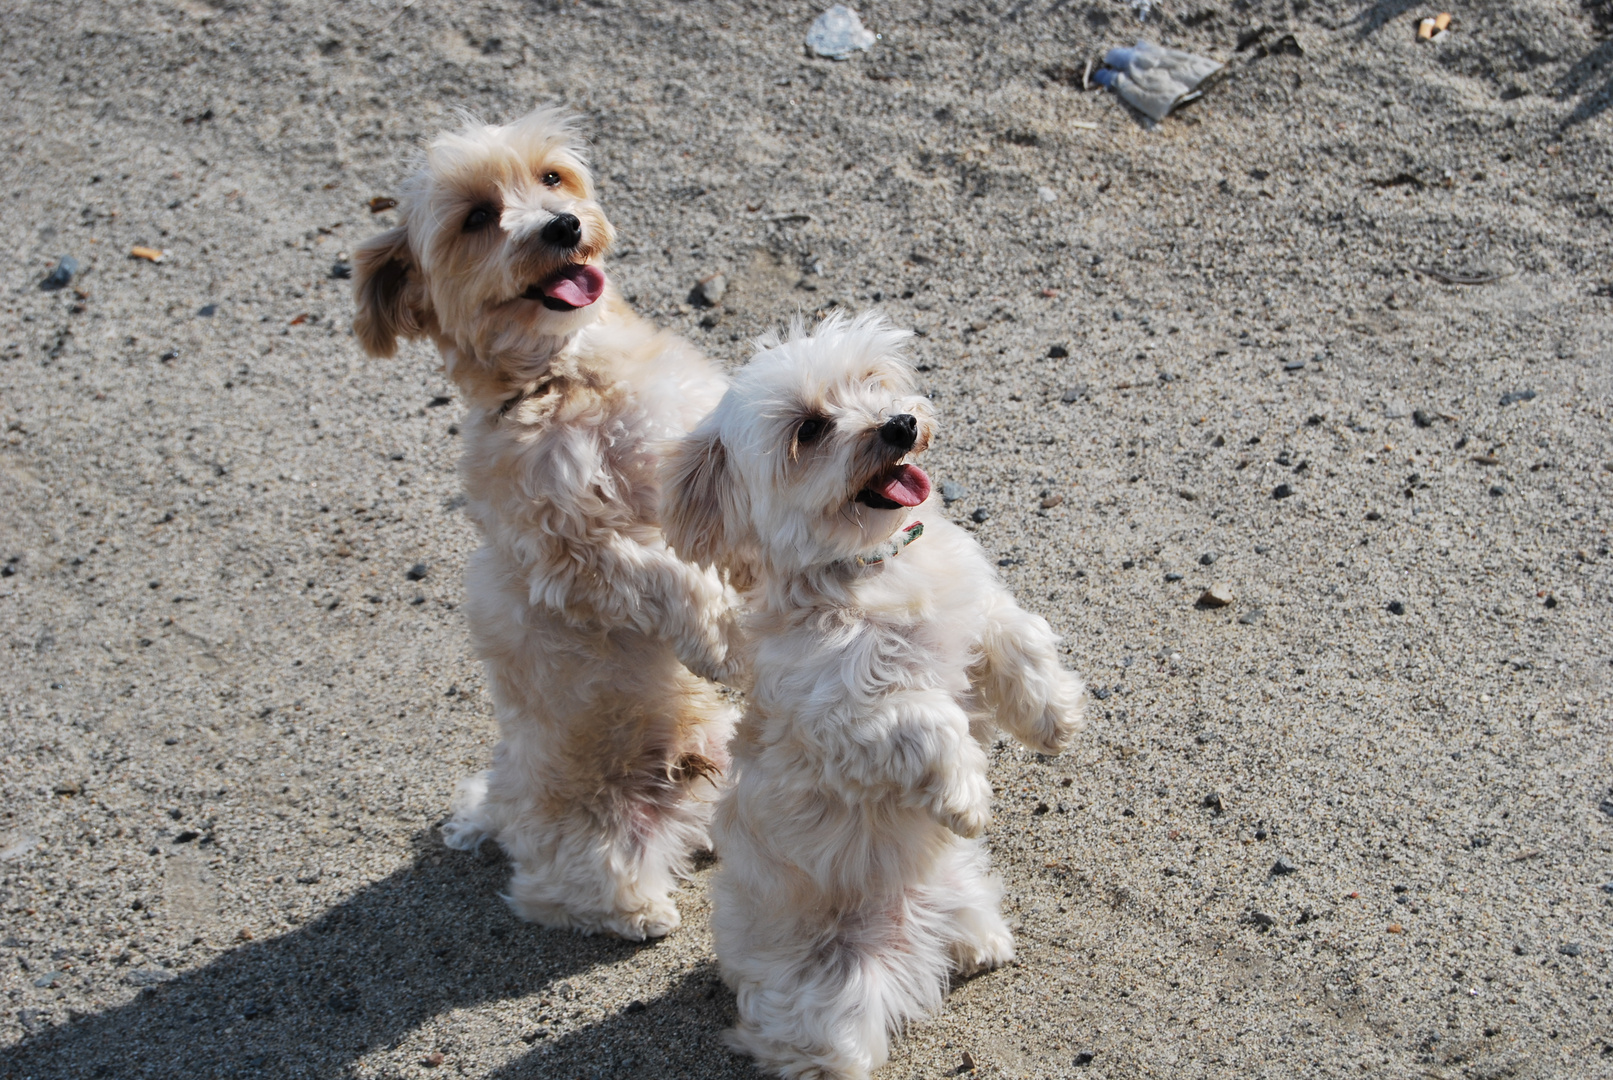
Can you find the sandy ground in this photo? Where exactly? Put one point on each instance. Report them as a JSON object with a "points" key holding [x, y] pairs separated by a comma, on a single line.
{"points": [[232, 722]]}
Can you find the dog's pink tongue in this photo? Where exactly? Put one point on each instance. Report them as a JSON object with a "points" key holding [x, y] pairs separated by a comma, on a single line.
{"points": [[577, 286], [905, 484]]}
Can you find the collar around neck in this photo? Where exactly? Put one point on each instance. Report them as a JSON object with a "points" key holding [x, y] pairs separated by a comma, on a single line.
{"points": [[892, 547]]}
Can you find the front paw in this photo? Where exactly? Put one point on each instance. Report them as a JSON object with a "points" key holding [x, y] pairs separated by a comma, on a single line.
{"points": [[1065, 715], [964, 805]]}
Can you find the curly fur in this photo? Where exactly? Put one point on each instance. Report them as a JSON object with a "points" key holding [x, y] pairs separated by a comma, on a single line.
{"points": [[853, 881], [611, 749]]}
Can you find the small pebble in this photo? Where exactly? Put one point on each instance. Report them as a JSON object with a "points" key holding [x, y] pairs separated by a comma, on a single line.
{"points": [[1083, 1059], [968, 1062], [1173, 576], [1281, 491], [1212, 801], [417, 572], [207, 311], [980, 514], [1074, 393], [1216, 596], [1421, 418], [1189, 494], [1057, 352], [951, 490], [1293, 365], [1262, 920], [59, 277], [1282, 867], [1496, 491], [341, 270], [710, 291], [1049, 501], [1395, 607], [1569, 948], [1373, 515], [1261, 549], [1250, 618], [1512, 397], [1207, 559]]}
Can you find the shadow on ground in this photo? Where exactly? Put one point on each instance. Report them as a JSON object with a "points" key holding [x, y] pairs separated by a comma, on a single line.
{"points": [[364, 975]]}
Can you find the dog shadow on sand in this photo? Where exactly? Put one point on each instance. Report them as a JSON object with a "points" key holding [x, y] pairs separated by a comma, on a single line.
{"points": [[364, 976]]}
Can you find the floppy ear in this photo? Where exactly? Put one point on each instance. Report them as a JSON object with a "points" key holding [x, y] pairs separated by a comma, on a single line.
{"points": [[385, 296], [697, 498]]}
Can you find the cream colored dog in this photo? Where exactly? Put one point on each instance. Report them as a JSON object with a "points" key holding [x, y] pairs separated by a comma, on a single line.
{"points": [[602, 783], [885, 651]]}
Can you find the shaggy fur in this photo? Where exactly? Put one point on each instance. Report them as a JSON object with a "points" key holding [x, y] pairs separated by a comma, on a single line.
{"points": [[603, 781], [853, 882]]}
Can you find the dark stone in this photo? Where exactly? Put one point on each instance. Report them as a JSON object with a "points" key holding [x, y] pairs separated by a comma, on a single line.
{"points": [[1074, 393], [1496, 491], [1261, 549], [1102, 694], [1293, 365], [1395, 607], [59, 277], [1262, 921], [1083, 1059], [207, 311], [636, 1007], [1512, 397], [1173, 577], [438, 401], [952, 491], [1207, 559], [1282, 867], [1057, 352], [1551, 602], [417, 572], [1212, 801], [1281, 491], [1373, 515], [169, 356], [341, 270], [1128, 564], [186, 837], [980, 514], [1421, 418], [1567, 948]]}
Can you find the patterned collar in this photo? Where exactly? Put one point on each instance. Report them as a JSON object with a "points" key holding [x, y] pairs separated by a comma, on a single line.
{"points": [[892, 547]]}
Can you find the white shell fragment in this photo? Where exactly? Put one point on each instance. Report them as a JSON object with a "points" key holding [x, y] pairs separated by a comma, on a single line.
{"points": [[838, 33], [1154, 80]]}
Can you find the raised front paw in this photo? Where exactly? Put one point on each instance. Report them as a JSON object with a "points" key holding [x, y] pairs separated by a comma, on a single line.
{"points": [[1061, 718]]}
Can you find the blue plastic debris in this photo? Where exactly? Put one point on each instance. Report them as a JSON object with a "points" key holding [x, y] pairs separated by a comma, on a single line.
{"points": [[838, 33], [59, 277], [1154, 80]]}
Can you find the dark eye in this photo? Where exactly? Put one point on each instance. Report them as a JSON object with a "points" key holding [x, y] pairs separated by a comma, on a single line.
{"points": [[478, 219], [811, 429], [551, 179]]}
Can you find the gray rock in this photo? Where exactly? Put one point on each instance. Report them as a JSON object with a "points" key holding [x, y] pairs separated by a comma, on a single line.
{"points": [[710, 292], [1512, 397], [1253, 616], [1208, 558], [952, 491], [980, 514], [1282, 867], [1281, 491], [1074, 393], [149, 976]]}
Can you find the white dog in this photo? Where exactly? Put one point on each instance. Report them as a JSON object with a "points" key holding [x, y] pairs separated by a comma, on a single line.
{"points": [[884, 653], [603, 781]]}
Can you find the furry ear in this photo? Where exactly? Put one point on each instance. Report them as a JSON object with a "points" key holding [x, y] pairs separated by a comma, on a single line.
{"points": [[385, 296], [696, 499]]}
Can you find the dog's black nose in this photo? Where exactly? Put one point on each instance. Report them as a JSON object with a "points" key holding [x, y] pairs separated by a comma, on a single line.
{"points": [[901, 431], [564, 231]]}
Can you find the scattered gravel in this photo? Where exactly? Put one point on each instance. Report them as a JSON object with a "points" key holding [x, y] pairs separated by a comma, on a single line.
{"points": [[284, 700]]}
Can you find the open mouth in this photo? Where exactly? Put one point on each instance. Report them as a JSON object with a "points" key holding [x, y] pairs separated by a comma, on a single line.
{"points": [[896, 487], [569, 288]]}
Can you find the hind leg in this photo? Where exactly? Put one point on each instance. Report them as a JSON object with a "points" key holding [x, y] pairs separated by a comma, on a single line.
{"points": [[969, 896]]}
